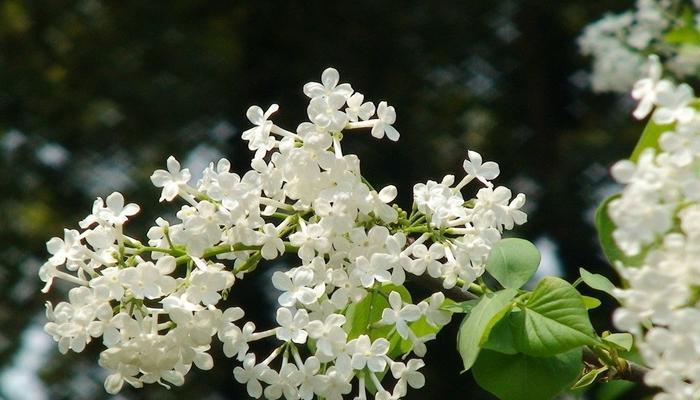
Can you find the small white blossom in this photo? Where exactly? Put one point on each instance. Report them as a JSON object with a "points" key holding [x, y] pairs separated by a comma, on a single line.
{"points": [[484, 172], [116, 212], [357, 109], [171, 180], [387, 117], [408, 374], [292, 327], [329, 86], [369, 354], [434, 315], [646, 89], [673, 104], [259, 137], [399, 314], [250, 374]]}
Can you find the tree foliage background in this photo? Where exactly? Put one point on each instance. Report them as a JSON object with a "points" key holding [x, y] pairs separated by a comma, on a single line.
{"points": [[94, 95]]}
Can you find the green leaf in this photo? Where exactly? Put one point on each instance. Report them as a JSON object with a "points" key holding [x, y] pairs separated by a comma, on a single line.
{"points": [[523, 377], [512, 262], [650, 138], [475, 328], [605, 228], [589, 377], [501, 337], [552, 320], [395, 341], [462, 307], [590, 302], [683, 35], [622, 340], [685, 32], [614, 390], [597, 281]]}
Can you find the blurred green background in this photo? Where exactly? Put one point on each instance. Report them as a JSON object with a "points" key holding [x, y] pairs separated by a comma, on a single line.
{"points": [[95, 95]]}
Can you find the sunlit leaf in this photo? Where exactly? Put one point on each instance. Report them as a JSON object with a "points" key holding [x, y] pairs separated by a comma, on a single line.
{"points": [[552, 320], [622, 340], [524, 377], [513, 261], [597, 281], [475, 328]]}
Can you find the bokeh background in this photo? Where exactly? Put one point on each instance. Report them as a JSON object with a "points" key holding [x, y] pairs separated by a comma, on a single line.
{"points": [[94, 95]]}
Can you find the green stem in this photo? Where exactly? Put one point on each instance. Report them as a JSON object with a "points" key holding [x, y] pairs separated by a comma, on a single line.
{"points": [[414, 212], [472, 288], [620, 368], [172, 252], [250, 264], [416, 229], [280, 215], [223, 249], [476, 289], [604, 356], [419, 220]]}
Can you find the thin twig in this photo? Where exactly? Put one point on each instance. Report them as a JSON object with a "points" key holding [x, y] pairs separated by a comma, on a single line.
{"points": [[435, 285], [631, 371]]}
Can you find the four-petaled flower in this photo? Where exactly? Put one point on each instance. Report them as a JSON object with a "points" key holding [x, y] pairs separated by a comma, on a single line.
{"points": [[171, 180]]}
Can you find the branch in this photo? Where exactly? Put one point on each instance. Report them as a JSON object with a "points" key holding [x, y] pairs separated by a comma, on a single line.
{"points": [[630, 371], [435, 285]]}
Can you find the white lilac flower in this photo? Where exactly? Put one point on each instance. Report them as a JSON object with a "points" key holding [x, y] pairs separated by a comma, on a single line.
{"points": [[656, 220], [387, 117], [408, 374], [171, 180], [259, 137], [426, 258], [295, 286], [673, 104], [205, 286], [111, 280], [484, 172], [272, 245], [235, 340], [69, 248], [329, 86], [619, 45], [646, 89], [366, 353], [329, 335], [117, 212], [310, 382], [250, 374], [158, 308], [292, 326], [146, 281], [358, 109], [434, 315], [324, 112], [399, 314]]}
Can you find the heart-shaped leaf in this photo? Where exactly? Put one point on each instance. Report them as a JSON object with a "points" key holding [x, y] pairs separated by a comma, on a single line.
{"points": [[524, 377], [552, 320], [475, 328], [512, 262], [597, 281]]}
